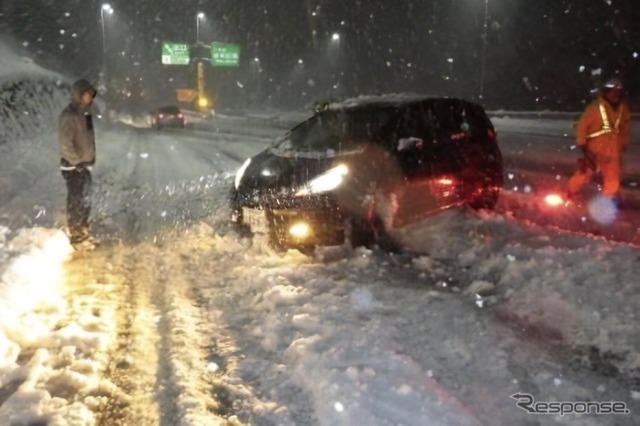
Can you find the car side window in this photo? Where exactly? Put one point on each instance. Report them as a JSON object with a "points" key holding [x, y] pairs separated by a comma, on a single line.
{"points": [[449, 118], [409, 128], [419, 123], [461, 120], [477, 119], [421, 139]]}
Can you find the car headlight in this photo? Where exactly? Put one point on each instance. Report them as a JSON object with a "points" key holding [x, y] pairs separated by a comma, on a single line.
{"points": [[329, 180], [240, 172], [300, 230]]}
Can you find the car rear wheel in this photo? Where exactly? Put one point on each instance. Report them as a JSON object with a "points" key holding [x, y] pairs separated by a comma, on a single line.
{"points": [[490, 192], [487, 200]]}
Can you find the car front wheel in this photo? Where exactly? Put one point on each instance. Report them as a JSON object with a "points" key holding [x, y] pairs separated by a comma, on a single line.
{"points": [[361, 233], [366, 234]]}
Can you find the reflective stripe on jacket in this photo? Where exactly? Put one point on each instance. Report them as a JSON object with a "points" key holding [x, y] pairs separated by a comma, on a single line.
{"points": [[606, 126], [595, 131]]}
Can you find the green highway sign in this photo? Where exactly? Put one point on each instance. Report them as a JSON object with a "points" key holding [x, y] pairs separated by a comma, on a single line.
{"points": [[225, 55], [175, 54]]}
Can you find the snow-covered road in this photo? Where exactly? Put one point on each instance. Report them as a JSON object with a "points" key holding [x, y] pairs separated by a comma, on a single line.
{"points": [[177, 320]]}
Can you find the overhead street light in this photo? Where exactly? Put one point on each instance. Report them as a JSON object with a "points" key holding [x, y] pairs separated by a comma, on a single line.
{"points": [[334, 46], [199, 16]]}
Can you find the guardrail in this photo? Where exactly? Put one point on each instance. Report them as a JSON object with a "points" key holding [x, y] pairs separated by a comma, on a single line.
{"points": [[551, 115]]}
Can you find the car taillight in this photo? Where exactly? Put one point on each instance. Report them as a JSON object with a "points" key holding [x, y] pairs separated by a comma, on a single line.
{"points": [[161, 115], [445, 181], [444, 186], [492, 133], [180, 116]]}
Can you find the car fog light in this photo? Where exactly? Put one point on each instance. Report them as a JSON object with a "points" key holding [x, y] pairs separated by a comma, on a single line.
{"points": [[300, 230]]}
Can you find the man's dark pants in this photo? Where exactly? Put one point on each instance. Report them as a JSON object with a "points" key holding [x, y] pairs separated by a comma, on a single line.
{"points": [[78, 202]]}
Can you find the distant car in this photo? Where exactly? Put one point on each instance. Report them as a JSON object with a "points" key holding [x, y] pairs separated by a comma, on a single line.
{"points": [[169, 116], [357, 169]]}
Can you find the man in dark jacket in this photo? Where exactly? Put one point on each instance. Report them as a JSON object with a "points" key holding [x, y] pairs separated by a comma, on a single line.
{"points": [[77, 156]]}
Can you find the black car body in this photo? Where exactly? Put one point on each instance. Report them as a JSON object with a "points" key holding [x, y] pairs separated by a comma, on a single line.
{"points": [[169, 116], [359, 168]]}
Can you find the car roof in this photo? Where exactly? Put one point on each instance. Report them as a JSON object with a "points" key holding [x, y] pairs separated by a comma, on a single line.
{"points": [[392, 100], [377, 103]]}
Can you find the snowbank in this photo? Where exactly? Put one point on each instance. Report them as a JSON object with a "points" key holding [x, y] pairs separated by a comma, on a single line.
{"points": [[31, 97]]}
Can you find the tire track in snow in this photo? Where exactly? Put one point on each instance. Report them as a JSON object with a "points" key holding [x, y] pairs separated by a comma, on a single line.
{"points": [[160, 363], [183, 372], [222, 355], [229, 305], [134, 363]]}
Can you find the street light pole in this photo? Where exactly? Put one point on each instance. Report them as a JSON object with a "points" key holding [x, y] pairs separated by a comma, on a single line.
{"points": [[105, 8], [484, 47], [334, 48], [199, 16], [203, 103]]}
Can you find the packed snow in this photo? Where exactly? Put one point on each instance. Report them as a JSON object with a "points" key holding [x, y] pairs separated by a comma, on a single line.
{"points": [[188, 323]]}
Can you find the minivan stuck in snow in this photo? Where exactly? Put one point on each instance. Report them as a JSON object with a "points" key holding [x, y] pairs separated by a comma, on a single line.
{"points": [[358, 168]]}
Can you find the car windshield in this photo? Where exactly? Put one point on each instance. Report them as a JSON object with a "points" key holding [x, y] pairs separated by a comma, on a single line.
{"points": [[336, 130]]}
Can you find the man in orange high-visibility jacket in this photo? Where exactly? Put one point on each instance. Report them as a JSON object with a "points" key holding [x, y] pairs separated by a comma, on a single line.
{"points": [[603, 133]]}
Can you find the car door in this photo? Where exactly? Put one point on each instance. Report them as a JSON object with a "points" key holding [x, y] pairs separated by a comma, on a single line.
{"points": [[431, 164]]}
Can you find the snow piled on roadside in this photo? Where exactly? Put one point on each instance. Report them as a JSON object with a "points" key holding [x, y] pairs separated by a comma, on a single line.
{"points": [[345, 336], [575, 290], [428, 337], [49, 363], [31, 97]]}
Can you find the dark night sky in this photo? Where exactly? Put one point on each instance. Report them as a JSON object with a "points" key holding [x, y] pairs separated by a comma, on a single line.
{"points": [[540, 53]]}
